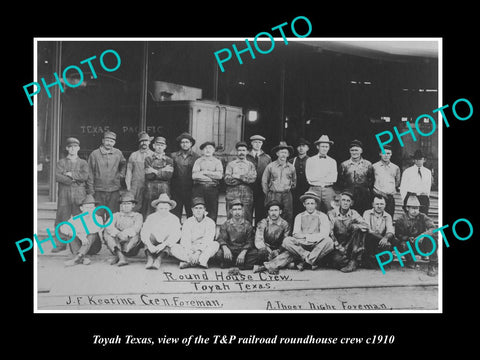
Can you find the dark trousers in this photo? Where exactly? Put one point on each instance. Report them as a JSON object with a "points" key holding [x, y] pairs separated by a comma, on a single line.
{"points": [[210, 194], [258, 202], [389, 203], [424, 244], [354, 243], [362, 199], [286, 199], [424, 202], [153, 189], [297, 204], [251, 258], [109, 199], [183, 196], [91, 247], [372, 249]]}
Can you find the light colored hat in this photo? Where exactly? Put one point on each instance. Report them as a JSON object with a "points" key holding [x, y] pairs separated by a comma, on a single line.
{"points": [[310, 195], [144, 136], [412, 201], [257, 137], [163, 198], [323, 139]]}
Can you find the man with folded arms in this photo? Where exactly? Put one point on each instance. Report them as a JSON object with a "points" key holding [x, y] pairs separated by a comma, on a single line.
{"points": [[197, 243], [160, 231], [387, 179]]}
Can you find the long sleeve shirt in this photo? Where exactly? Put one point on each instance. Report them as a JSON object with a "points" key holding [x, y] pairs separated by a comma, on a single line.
{"points": [[162, 163], [387, 178], [164, 228], [413, 182], [197, 235], [135, 175], [207, 170], [183, 165], [407, 227], [315, 227], [236, 236], [260, 160], [271, 233], [321, 171], [381, 224], [123, 221], [105, 169], [71, 189], [279, 177], [356, 173], [342, 224], [240, 172]]}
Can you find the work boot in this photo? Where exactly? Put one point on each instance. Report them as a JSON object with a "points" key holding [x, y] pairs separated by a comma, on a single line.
{"points": [[183, 265], [61, 247], [113, 260], [122, 261], [76, 260], [432, 269], [291, 266], [301, 265], [149, 264], [351, 266], [259, 268], [156, 263], [86, 261]]}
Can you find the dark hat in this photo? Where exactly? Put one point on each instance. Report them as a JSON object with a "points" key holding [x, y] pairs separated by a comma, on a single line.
{"points": [[198, 201], [163, 198], [89, 199], [72, 140], [161, 140], [241, 143], [387, 147], [144, 136], [356, 143], [185, 135], [273, 203], [110, 135], [207, 143], [282, 145], [127, 196], [323, 139], [418, 154], [310, 195], [303, 141], [348, 193], [257, 137], [236, 202]]}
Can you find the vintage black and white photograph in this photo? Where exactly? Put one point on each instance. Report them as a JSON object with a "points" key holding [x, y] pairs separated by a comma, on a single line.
{"points": [[234, 175]]}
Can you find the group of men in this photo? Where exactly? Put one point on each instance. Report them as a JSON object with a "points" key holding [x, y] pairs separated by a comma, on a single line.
{"points": [[301, 212]]}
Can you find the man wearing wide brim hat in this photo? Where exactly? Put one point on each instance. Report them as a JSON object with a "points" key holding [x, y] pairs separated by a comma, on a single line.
{"points": [[197, 243], [158, 173], [107, 167], [279, 179], [260, 159], [356, 174], [71, 173], [417, 179], [299, 162], [88, 233], [411, 225], [182, 183], [160, 231], [207, 172], [122, 236], [135, 175], [321, 173]]}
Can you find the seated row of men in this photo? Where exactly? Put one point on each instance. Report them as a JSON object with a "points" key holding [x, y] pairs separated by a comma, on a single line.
{"points": [[341, 239]]}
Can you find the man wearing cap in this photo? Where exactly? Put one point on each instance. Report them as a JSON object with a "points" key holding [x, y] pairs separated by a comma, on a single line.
{"points": [[135, 176], [310, 242], [207, 172], [269, 236], [240, 174], [321, 173], [380, 231], [299, 162], [236, 240], [348, 231], [122, 236], [158, 172], [387, 179], [409, 226], [71, 173], [182, 183], [87, 233], [160, 231], [260, 160], [356, 176], [106, 167], [417, 180], [197, 243], [279, 179]]}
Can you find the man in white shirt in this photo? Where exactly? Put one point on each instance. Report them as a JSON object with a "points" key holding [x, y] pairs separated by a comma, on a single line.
{"points": [[160, 231], [417, 179], [321, 173], [197, 243]]}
